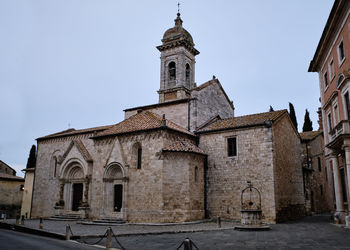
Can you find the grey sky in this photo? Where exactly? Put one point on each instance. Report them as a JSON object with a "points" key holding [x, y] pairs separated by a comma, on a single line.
{"points": [[81, 62]]}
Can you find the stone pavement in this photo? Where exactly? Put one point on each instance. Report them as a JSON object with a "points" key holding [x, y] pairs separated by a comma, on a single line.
{"points": [[309, 233], [124, 229]]}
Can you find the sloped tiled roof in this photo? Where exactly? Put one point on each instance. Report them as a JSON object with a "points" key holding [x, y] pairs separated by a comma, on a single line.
{"points": [[307, 136], [243, 121], [10, 177], [142, 121], [179, 145], [72, 131]]}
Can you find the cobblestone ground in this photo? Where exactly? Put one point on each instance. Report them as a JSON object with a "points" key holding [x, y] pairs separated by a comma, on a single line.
{"points": [[123, 229], [310, 233]]}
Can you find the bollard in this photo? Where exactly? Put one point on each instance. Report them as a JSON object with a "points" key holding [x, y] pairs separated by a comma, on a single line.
{"points": [[219, 221], [17, 219], [347, 220], [187, 244], [41, 223], [67, 232], [109, 238], [22, 220]]}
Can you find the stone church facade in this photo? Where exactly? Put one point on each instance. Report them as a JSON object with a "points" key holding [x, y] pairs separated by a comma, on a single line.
{"points": [[183, 159]]}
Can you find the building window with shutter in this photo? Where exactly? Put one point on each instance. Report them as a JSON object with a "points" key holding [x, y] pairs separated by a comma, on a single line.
{"points": [[341, 52], [325, 79], [232, 146]]}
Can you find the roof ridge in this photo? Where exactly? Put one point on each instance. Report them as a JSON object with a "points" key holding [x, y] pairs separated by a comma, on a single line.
{"points": [[242, 116]]}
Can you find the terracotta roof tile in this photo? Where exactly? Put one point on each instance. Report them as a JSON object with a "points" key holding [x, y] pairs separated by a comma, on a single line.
{"points": [[73, 131], [182, 146], [309, 135], [144, 120], [243, 121]]}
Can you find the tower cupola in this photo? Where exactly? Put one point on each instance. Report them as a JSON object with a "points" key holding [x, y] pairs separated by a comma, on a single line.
{"points": [[177, 63]]}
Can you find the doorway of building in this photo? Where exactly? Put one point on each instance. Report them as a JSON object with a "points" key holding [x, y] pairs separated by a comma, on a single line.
{"points": [[118, 197], [77, 195]]}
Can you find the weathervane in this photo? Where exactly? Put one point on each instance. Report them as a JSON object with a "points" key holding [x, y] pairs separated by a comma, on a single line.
{"points": [[178, 7]]}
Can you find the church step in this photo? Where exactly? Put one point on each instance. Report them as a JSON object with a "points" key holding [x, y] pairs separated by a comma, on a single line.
{"points": [[66, 217], [109, 221]]}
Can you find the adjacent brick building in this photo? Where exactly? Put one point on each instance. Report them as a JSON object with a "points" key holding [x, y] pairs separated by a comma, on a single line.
{"points": [[331, 62]]}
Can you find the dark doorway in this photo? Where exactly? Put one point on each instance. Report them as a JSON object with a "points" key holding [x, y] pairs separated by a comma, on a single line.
{"points": [[118, 197], [77, 195]]}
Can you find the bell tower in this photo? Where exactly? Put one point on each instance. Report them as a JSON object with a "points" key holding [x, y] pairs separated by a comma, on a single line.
{"points": [[177, 60]]}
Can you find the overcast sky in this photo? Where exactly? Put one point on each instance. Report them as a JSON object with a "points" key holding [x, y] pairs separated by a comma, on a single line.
{"points": [[79, 63]]}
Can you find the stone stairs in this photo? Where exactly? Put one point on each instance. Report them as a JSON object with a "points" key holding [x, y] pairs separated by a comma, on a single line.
{"points": [[66, 217], [105, 222]]}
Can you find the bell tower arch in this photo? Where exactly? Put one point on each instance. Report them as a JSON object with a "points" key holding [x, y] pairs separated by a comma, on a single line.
{"points": [[177, 71]]}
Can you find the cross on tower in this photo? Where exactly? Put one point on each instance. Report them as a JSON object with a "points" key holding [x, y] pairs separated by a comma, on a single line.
{"points": [[178, 7]]}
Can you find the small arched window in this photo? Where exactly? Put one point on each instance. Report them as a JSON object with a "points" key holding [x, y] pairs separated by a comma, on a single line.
{"points": [[139, 157], [172, 71], [188, 73], [196, 174]]}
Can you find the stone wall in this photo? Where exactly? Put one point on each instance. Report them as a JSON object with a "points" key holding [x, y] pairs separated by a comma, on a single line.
{"points": [[27, 193], [10, 197], [316, 181], [210, 101], [290, 203], [228, 176], [144, 190], [183, 187]]}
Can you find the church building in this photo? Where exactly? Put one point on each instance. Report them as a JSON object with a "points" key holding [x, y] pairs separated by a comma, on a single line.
{"points": [[184, 158]]}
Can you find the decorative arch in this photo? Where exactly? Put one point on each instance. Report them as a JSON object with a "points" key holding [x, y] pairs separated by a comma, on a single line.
{"points": [[114, 194], [114, 171], [340, 80], [70, 167]]}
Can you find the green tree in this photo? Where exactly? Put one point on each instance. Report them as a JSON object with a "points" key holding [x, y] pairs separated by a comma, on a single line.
{"points": [[271, 109], [292, 116], [307, 122], [32, 158]]}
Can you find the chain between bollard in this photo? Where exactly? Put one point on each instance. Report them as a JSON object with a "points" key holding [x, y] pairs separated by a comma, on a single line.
{"points": [[87, 243], [118, 242]]}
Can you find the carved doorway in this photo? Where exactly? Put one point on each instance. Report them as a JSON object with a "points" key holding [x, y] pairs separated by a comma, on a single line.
{"points": [[118, 197], [77, 195]]}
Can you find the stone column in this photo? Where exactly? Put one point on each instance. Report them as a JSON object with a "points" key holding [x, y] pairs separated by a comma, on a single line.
{"points": [[337, 185], [347, 163]]}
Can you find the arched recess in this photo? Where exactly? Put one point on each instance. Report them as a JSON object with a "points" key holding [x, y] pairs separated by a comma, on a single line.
{"points": [[74, 186], [54, 164], [115, 191]]}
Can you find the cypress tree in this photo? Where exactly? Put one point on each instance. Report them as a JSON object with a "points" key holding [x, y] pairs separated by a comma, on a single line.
{"points": [[307, 122], [32, 158], [292, 116], [271, 109]]}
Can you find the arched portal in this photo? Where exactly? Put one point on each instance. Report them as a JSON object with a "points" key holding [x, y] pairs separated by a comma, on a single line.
{"points": [[74, 186], [114, 180]]}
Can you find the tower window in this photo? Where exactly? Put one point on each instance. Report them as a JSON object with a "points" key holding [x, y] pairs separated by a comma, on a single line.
{"points": [[188, 71], [172, 71]]}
